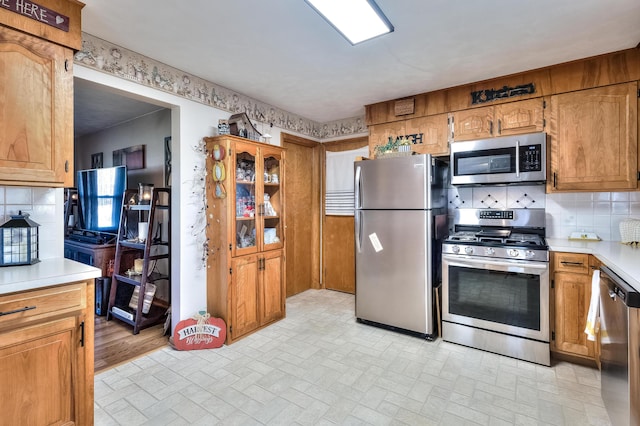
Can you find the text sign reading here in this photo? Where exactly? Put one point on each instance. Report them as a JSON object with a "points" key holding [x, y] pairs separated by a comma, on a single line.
{"points": [[38, 13]]}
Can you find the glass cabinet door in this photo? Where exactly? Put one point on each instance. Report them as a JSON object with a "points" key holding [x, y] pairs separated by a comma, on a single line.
{"points": [[272, 197], [245, 229]]}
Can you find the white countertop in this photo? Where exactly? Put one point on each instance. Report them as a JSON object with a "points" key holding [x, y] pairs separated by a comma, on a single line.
{"points": [[622, 259], [45, 273]]}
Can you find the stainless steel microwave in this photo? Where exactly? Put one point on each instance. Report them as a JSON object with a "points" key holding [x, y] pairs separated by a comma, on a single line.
{"points": [[507, 159]]}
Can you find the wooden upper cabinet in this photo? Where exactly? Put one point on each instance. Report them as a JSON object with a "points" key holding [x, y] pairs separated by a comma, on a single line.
{"points": [[511, 118], [432, 134], [594, 139], [515, 118], [429, 134], [379, 134], [475, 123]]}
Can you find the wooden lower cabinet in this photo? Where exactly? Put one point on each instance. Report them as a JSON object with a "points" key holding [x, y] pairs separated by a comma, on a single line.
{"points": [[571, 296], [257, 292], [46, 356]]}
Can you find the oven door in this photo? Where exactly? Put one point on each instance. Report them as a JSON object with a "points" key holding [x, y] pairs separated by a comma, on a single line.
{"points": [[505, 296]]}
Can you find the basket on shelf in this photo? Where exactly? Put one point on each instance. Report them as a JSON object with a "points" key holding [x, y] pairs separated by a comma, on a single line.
{"points": [[630, 231]]}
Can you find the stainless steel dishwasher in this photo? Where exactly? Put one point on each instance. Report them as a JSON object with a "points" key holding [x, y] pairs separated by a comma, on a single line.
{"points": [[620, 356]]}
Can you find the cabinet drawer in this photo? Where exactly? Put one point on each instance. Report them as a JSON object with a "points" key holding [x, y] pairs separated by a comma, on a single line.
{"points": [[576, 263], [48, 302]]}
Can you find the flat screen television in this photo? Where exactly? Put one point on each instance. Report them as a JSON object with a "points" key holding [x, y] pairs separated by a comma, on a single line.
{"points": [[100, 193]]}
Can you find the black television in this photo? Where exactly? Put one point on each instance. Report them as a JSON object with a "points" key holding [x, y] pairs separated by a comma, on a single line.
{"points": [[100, 193]]}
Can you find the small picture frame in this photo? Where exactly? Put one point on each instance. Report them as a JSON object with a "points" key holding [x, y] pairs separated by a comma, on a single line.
{"points": [[96, 161]]}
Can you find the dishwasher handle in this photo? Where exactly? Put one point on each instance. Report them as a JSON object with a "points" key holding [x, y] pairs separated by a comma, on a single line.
{"points": [[620, 288]]}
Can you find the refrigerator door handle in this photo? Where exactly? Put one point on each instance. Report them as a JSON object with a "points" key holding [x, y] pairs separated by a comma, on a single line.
{"points": [[358, 201], [358, 219]]}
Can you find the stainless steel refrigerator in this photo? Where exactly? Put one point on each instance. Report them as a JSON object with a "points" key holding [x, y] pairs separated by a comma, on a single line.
{"points": [[400, 219]]}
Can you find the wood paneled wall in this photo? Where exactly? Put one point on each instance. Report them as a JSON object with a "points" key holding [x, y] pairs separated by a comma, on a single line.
{"points": [[603, 70], [338, 259]]}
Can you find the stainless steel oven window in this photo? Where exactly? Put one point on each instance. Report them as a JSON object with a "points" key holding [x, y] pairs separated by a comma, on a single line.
{"points": [[508, 298], [464, 278]]}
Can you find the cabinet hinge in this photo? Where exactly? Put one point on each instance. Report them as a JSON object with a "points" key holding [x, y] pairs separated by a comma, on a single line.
{"points": [[82, 334], [230, 271], [544, 122], [553, 284], [639, 93], [229, 153], [544, 104], [230, 246], [638, 175], [230, 329], [66, 166], [553, 335]]}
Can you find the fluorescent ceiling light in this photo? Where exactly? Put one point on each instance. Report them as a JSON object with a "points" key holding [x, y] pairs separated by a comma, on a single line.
{"points": [[356, 20]]}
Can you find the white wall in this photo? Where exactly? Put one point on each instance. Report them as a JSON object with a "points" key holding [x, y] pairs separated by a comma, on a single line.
{"points": [[190, 122], [149, 130], [599, 212]]}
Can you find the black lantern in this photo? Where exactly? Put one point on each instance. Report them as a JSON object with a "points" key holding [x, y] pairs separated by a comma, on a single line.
{"points": [[19, 241]]}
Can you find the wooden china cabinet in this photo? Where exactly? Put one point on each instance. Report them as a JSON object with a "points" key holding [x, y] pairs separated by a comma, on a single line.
{"points": [[245, 231]]}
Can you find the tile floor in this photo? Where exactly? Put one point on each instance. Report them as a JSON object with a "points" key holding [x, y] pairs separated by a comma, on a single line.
{"points": [[319, 366]]}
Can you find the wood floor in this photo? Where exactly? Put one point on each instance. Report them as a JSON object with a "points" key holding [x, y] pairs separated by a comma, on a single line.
{"points": [[115, 343]]}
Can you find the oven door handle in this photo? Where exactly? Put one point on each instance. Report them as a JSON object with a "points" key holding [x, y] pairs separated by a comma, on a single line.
{"points": [[517, 158], [500, 265]]}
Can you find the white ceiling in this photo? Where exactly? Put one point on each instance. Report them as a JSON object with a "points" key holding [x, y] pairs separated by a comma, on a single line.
{"points": [[283, 53]]}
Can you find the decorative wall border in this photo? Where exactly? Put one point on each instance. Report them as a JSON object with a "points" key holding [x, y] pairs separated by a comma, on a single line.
{"points": [[112, 59]]}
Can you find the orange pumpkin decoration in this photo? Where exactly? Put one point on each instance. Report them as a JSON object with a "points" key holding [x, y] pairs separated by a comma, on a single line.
{"points": [[199, 332]]}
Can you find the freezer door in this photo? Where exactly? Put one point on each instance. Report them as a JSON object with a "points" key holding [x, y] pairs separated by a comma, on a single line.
{"points": [[393, 183], [393, 269]]}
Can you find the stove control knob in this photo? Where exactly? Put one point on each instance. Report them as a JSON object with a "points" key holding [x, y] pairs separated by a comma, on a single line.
{"points": [[530, 253], [490, 251], [514, 253], [468, 250], [455, 249]]}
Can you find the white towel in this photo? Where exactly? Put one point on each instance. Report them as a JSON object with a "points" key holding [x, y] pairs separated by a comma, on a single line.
{"points": [[594, 307], [340, 180]]}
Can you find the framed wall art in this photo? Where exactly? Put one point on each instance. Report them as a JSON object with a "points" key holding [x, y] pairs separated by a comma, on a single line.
{"points": [[96, 161], [133, 157]]}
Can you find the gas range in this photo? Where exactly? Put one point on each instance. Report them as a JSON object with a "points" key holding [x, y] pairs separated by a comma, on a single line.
{"points": [[501, 234]]}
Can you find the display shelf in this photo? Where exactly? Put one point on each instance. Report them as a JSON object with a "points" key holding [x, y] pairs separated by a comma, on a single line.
{"points": [[140, 268]]}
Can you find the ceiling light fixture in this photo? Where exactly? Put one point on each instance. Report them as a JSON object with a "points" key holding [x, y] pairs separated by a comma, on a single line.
{"points": [[356, 20]]}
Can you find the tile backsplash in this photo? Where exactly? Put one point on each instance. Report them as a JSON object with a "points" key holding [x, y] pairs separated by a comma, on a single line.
{"points": [[45, 206], [599, 212]]}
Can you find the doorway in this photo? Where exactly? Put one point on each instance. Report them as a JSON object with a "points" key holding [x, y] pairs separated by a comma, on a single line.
{"points": [[302, 215], [338, 245], [105, 120]]}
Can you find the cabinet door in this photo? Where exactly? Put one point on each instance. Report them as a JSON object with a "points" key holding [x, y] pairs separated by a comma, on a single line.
{"points": [[247, 172], [594, 143], [272, 288], [520, 117], [431, 134], [244, 296], [572, 297], [379, 134], [475, 123], [36, 85], [271, 204], [38, 370]]}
